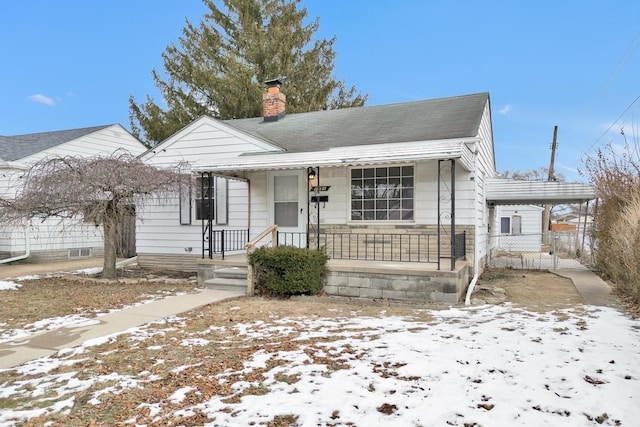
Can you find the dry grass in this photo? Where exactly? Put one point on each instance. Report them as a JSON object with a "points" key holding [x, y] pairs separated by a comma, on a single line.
{"points": [[533, 289], [74, 295]]}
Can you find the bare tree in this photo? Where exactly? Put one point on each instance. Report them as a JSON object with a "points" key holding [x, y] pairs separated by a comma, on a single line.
{"points": [[99, 190], [540, 174]]}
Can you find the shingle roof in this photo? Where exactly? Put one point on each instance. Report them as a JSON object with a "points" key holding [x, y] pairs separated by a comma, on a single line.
{"points": [[434, 119], [20, 146]]}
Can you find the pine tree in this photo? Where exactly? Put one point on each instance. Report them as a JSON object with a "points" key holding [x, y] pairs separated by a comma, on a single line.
{"points": [[220, 66]]}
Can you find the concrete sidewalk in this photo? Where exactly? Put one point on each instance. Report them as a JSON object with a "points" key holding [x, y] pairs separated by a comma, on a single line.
{"points": [[591, 288], [47, 343]]}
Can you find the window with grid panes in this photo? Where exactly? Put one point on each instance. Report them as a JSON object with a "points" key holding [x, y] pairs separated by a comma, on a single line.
{"points": [[382, 193]]}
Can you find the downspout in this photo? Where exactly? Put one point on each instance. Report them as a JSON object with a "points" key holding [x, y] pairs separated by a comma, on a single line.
{"points": [[476, 251], [27, 249]]}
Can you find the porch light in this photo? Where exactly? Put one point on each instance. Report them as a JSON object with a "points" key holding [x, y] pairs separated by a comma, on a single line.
{"points": [[311, 174]]}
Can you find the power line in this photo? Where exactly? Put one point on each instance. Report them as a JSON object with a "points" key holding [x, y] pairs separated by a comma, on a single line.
{"points": [[616, 70], [612, 124]]}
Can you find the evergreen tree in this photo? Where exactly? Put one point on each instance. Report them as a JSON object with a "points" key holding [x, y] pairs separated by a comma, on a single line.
{"points": [[220, 66]]}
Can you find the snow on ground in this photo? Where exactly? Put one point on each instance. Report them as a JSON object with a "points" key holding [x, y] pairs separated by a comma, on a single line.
{"points": [[489, 365], [6, 285]]}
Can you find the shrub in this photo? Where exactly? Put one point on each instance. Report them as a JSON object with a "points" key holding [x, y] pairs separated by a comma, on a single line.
{"points": [[625, 250], [615, 172], [287, 270]]}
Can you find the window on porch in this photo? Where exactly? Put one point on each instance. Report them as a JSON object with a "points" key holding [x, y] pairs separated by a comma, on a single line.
{"points": [[209, 201], [382, 193]]}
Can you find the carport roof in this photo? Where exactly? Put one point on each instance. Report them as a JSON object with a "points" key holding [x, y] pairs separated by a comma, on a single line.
{"points": [[513, 192]]}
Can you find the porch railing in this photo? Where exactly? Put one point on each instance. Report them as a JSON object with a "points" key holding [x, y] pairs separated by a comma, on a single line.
{"points": [[222, 241], [298, 239], [460, 245], [405, 247]]}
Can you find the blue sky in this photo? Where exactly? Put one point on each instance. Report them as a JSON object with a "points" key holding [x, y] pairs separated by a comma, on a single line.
{"points": [[572, 63]]}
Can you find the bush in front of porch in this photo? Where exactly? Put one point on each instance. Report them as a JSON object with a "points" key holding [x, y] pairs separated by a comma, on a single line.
{"points": [[283, 271]]}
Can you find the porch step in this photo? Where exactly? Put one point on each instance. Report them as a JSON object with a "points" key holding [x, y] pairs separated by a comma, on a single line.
{"points": [[226, 284], [231, 273], [228, 279]]}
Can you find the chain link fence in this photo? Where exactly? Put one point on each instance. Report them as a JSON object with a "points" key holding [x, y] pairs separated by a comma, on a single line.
{"points": [[541, 251]]}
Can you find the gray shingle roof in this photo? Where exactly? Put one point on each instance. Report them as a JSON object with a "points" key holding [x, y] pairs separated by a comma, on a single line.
{"points": [[20, 146], [442, 118]]}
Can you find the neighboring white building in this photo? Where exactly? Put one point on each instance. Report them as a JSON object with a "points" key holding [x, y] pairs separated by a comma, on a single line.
{"points": [[54, 239], [519, 229]]}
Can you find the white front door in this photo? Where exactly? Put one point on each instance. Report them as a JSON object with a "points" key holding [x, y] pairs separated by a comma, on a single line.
{"points": [[288, 206]]}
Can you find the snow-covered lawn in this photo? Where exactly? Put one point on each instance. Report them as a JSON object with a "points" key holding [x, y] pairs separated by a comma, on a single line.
{"points": [[488, 365]]}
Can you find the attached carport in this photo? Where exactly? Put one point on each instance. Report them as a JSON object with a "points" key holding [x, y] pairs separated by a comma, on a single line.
{"points": [[512, 192], [504, 192]]}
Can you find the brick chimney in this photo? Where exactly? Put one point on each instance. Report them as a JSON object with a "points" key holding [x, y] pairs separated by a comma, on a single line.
{"points": [[273, 101]]}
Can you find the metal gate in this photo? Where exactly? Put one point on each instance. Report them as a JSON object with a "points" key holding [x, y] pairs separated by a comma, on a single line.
{"points": [[540, 251]]}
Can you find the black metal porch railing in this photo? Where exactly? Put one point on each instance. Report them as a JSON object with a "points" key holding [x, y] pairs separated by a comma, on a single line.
{"points": [[222, 241], [460, 245], [380, 246], [292, 238], [405, 247]]}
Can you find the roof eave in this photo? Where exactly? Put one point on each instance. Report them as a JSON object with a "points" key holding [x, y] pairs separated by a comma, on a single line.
{"points": [[448, 149]]}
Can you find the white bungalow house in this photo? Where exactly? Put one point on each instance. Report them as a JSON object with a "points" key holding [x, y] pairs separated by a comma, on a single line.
{"points": [[53, 239], [395, 194]]}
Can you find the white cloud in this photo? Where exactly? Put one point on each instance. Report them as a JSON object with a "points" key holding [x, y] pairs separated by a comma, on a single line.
{"points": [[506, 109], [42, 99]]}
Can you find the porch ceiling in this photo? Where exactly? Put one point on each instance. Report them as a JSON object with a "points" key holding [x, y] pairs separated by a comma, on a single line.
{"points": [[347, 156], [511, 192]]}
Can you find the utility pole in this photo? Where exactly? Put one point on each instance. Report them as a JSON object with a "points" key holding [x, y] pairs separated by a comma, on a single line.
{"points": [[546, 214]]}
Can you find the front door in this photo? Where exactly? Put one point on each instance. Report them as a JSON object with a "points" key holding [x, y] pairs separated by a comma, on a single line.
{"points": [[288, 206]]}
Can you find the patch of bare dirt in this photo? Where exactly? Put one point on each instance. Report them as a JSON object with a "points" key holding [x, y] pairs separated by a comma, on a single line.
{"points": [[533, 289]]}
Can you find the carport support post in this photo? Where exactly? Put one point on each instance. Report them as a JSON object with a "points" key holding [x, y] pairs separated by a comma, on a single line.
{"points": [[584, 228]]}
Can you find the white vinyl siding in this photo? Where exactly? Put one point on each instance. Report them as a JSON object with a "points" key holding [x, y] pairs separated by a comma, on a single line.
{"points": [[204, 141], [160, 231]]}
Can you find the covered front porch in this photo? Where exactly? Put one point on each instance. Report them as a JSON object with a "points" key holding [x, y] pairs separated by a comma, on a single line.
{"points": [[385, 219], [389, 212]]}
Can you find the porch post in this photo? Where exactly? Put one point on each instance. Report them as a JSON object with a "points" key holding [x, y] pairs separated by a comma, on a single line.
{"points": [[306, 178], [438, 223], [453, 214], [317, 211]]}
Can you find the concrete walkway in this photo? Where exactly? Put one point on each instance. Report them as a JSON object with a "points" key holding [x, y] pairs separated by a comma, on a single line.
{"points": [[590, 286]]}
